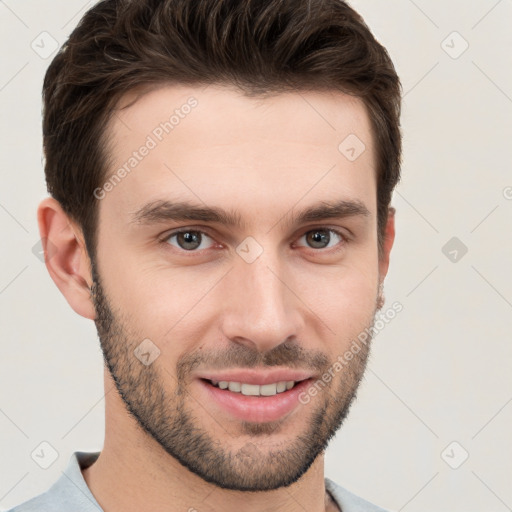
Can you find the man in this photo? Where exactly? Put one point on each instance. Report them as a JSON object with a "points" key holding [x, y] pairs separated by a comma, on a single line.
{"points": [[220, 176]]}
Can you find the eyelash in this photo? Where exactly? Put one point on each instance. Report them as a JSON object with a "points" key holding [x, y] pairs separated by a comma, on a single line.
{"points": [[344, 239]]}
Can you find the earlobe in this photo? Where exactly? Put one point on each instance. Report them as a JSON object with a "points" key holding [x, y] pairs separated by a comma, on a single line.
{"points": [[66, 256]]}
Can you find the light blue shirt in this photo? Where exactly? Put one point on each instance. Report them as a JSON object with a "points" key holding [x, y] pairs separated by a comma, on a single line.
{"points": [[71, 494]]}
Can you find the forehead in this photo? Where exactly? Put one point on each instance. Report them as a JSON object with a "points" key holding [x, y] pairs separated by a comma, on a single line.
{"points": [[221, 112], [215, 145]]}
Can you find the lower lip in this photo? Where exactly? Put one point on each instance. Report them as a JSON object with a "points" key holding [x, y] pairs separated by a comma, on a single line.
{"points": [[256, 409]]}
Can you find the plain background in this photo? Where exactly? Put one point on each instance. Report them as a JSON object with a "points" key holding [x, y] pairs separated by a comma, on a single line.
{"points": [[439, 372]]}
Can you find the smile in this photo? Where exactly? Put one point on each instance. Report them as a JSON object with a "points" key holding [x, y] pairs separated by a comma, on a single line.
{"points": [[255, 403], [254, 389]]}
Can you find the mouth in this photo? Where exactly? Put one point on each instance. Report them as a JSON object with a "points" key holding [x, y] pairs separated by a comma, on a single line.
{"points": [[247, 389], [250, 402]]}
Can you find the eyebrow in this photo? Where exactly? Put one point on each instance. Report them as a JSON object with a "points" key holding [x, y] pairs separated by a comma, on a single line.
{"points": [[164, 211]]}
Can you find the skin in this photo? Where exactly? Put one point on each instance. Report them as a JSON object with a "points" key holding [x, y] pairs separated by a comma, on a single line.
{"points": [[268, 159]]}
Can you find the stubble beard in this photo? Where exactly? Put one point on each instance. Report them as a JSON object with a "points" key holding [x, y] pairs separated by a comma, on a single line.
{"points": [[166, 415]]}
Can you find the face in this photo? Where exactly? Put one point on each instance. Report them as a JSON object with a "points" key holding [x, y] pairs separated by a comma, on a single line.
{"points": [[239, 250]]}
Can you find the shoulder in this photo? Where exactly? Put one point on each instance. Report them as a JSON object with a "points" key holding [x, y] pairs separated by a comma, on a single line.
{"points": [[349, 502], [58, 499], [68, 493], [40, 503]]}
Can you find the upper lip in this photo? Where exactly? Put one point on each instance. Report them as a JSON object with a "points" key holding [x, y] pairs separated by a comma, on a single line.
{"points": [[258, 377]]}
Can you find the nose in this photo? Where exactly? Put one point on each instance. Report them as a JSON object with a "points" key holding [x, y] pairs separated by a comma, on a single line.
{"points": [[260, 310]]}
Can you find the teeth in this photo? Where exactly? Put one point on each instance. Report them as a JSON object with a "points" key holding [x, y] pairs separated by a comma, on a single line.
{"points": [[250, 389], [235, 386], [255, 389], [268, 389]]}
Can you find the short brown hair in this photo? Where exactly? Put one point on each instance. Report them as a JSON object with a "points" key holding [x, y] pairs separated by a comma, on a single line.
{"points": [[259, 46]]}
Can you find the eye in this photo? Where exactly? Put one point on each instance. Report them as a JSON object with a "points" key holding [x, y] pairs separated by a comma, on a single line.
{"points": [[320, 238], [188, 240]]}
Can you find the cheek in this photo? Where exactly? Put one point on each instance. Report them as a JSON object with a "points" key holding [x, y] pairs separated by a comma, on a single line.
{"points": [[344, 297], [165, 304]]}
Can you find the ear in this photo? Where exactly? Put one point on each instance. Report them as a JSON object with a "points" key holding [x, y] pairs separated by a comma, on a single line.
{"points": [[389, 238], [66, 256]]}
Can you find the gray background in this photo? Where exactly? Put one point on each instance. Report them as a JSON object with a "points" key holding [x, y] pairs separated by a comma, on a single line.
{"points": [[440, 371]]}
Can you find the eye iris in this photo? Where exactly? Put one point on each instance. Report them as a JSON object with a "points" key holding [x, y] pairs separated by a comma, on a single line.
{"points": [[186, 238], [318, 237]]}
